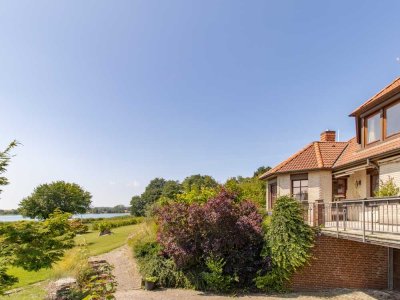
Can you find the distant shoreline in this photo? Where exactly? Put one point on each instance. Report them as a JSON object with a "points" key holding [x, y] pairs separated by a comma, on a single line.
{"points": [[14, 218]]}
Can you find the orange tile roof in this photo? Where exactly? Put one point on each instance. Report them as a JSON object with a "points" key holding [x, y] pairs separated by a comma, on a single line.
{"points": [[387, 91], [355, 153], [338, 155], [317, 155]]}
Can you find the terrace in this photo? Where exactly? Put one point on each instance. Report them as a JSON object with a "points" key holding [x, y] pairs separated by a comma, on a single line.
{"points": [[373, 220]]}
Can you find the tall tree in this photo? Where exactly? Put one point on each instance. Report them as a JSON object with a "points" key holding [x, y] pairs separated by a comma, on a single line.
{"points": [[250, 188], [151, 194], [5, 158], [46, 198], [137, 206], [198, 182], [261, 170], [153, 191], [30, 245], [171, 189]]}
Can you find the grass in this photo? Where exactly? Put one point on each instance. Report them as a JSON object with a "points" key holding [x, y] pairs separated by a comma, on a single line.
{"points": [[144, 232], [98, 245], [31, 292], [95, 245]]}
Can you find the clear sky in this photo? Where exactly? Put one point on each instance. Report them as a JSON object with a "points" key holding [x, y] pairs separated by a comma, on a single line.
{"points": [[110, 94]]}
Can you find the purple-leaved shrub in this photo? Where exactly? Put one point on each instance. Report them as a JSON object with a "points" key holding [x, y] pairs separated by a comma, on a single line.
{"points": [[222, 229]]}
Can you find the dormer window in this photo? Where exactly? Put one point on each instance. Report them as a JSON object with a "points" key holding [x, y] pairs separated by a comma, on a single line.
{"points": [[393, 119], [382, 125], [373, 126]]}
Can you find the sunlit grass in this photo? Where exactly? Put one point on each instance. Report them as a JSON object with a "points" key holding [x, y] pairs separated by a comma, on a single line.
{"points": [[31, 292], [89, 244], [144, 232], [101, 244]]}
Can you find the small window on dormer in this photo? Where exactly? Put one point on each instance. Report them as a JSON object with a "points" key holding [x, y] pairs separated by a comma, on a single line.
{"points": [[374, 128], [393, 119]]}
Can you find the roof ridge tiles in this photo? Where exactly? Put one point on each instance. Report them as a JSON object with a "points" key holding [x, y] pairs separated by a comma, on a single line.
{"points": [[288, 160], [318, 155]]}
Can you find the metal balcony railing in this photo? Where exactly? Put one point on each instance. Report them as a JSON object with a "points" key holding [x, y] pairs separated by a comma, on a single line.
{"points": [[367, 216]]}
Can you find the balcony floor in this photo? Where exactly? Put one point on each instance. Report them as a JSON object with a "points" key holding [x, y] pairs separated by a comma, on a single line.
{"points": [[388, 235]]}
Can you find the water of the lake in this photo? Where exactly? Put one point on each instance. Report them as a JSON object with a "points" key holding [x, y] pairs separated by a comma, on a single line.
{"points": [[13, 218]]}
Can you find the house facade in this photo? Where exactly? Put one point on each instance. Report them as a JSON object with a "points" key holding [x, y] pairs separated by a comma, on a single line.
{"points": [[329, 171], [336, 182]]}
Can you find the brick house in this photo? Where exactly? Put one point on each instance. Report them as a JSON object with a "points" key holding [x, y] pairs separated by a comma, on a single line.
{"points": [[336, 182]]}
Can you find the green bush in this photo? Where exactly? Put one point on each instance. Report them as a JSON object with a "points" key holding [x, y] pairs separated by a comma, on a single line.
{"points": [[78, 227], [387, 189], [117, 222], [214, 278], [153, 264], [104, 227], [288, 243]]}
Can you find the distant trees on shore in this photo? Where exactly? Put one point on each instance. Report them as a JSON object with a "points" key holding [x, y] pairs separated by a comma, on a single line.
{"points": [[118, 209], [8, 212], [197, 188]]}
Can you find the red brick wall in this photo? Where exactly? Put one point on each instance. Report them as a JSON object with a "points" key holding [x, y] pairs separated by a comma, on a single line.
{"points": [[340, 263]]}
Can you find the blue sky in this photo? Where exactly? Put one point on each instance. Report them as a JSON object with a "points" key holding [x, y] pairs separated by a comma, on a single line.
{"points": [[110, 94]]}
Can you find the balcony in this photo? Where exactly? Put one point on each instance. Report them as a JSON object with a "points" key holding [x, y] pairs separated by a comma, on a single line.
{"points": [[375, 220]]}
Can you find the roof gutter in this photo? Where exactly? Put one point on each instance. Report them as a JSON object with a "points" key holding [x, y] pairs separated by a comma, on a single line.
{"points": [[265, 177], [360, 161], [351, 171], [389, 97]]}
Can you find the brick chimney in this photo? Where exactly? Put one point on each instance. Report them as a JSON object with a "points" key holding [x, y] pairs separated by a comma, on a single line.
{"points": [[328, 136]]}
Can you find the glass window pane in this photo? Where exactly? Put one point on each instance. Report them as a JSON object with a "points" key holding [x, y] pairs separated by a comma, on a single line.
{"points": [[296, 193], [304, 183], [374, 128], [296, 183], [393, 119], [304, 194]]}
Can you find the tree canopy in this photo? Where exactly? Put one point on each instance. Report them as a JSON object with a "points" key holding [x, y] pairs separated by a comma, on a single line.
{"points": [[198, 181], [46, 198], [137, 206], [171, 189], [31, 245], [153, 190], [151, 194], [249, 188], [261, 170], [5, 157]]}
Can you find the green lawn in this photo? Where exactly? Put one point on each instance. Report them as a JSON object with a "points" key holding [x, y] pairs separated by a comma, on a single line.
{"points": [[31, 292], [98, 245], [95, 244]]}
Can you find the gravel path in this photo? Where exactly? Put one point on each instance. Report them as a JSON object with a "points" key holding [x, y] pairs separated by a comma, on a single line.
{"points": [[129, 281], [177, 294], [125, 270]]}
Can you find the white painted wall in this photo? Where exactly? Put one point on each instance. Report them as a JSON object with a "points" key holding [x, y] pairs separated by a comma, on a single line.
{"points": [[360, 191], [319, 186], [325, 192], [283, 185], [314, 187]]}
